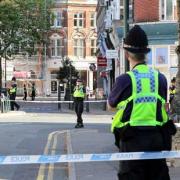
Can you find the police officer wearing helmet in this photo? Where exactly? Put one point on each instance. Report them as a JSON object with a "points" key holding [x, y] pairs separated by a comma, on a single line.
{"points": [[141, 122], [79, 94]]}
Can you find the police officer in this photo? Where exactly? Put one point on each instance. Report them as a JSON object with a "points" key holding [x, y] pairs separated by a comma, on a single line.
{"points": [[33, 92], [25, 93], [139, 97], [12, 96], [79, 94], [172, 90]]}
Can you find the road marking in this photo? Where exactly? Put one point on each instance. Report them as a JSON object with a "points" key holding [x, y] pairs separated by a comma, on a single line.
{"points": [[41, 173], [71, 166], [51, 165], [42, 168]]}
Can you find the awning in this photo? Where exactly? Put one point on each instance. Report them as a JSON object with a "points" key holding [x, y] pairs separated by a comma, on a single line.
{"points": [[21, 74]]}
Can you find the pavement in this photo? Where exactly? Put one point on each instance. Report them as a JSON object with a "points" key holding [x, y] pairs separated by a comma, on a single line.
{"points": [[88, 141], [81, 141], [91, 141]]}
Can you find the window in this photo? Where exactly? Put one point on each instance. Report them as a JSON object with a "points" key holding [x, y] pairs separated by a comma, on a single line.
{"points": [[168, 10], [93, 19], [79, 47], [173, 56], [161, 55], [58, 19], [78, 20], [57, 47], [93, 47]]}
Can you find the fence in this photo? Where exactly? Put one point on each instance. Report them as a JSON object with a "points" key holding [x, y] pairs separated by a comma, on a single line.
{"points": [[5, 104]]}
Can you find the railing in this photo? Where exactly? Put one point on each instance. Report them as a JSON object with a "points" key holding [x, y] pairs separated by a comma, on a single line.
{"points": [[5, 104]]}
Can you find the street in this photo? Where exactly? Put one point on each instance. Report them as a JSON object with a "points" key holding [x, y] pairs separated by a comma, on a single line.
{"points": [[26, 138], [35, 132]]}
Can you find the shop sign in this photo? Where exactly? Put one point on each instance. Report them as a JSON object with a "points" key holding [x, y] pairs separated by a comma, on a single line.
{"points": [[111, 54], [101, 61]]}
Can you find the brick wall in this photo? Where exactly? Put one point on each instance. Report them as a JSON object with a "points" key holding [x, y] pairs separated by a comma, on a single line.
{"points": [[85, 31], [146, 10]]}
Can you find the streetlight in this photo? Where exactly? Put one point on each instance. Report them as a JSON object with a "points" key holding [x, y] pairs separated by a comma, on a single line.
{"points": [[45, 46], [126, 27], [68, 62], [59, 94], [5, 71]]}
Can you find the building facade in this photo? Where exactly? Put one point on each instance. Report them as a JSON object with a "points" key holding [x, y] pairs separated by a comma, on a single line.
{"points": [[110, 17], [73, 35], [159, 20]]}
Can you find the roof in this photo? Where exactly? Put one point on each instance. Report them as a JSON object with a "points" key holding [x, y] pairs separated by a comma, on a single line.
{"points": [[158, 33]]}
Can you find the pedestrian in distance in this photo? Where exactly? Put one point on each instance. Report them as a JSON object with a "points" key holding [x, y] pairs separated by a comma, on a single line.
{"points": [[141, 122], [172, 90], [33, 92], [25, 93], [79, 95], [171, 105], [12, 95]]}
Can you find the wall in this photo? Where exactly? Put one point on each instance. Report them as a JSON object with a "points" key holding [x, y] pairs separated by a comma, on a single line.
{"points": [[146, 10]]}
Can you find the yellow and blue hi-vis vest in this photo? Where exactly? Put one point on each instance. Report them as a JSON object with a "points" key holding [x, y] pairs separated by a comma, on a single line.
{"points": [[144, 96], [79, 92], [12, 90]]}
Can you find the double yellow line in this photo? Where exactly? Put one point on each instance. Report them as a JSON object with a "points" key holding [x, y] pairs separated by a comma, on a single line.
{"points": [[41, 173]]}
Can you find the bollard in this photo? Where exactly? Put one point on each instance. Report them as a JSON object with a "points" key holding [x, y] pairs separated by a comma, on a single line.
{"points": [[59, 97], [2, 105], [8, 104], [5, 105], [87, 103], [72, 104], [104, 103]]}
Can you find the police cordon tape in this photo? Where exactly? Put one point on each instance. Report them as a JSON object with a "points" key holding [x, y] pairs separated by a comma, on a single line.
{"points": [[44, 159], [93, 101]]}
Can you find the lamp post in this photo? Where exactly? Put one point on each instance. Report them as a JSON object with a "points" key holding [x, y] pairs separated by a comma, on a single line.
{"points": [[126, 28], [70, 82], [45, 46], [59, 94], [5, 72]]}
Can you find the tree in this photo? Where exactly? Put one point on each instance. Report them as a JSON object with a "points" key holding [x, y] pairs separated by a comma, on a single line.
{"points": [[68, 74], [176, 102], [23, 25]]}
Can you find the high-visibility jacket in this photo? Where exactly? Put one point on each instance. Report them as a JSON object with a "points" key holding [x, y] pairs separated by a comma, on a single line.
{"points": [[79, 92], [172, 91], [12, 90], [144, 96]]}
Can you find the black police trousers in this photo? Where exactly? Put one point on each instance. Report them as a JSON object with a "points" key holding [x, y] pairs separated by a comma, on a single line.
{"points": [[138, 141], [79, 110], [13, 103]]}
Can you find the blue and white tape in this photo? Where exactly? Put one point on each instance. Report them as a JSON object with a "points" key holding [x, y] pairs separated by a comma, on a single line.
{"points": [[90, 101], [44, 159]]}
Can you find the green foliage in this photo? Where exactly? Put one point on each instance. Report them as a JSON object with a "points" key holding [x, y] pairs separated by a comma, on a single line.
{"points": [[23, 23], [67, 73]]}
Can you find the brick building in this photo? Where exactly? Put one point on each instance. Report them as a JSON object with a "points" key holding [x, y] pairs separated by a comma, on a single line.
{"points": [[159, 20], [74, 36]]}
